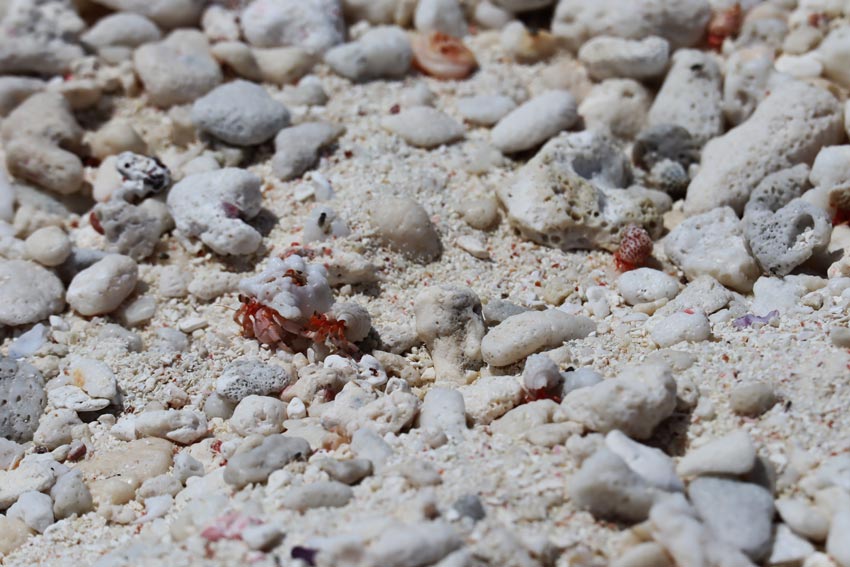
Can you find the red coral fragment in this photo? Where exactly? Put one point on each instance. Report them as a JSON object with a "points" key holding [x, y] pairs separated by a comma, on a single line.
{"points": [[635, 248]]}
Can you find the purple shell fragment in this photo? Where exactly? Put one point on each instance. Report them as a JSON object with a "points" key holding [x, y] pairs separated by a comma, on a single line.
{"points": [[749, 319]]}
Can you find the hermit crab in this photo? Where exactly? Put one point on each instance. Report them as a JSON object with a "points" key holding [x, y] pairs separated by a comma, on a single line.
{"points": [[290, 305]]}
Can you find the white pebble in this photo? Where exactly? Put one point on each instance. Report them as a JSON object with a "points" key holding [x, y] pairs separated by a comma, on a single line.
{"points": [[535, 122], [682, 326], [644, 285], [424, 127], [258, 415], [49, 246], [485, 110], [100, 288]]}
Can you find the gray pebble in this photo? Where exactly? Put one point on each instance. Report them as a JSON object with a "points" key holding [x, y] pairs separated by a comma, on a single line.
{"points": [[414, 545], [497, 310], [664, 142], [739, 513], [752, 398], [297, 148], [170, 340], [367, 444], [22, 400], [243, 378], [783, 240], [240, 113], [349, 472], [132, 341], [778, 189], [670, 177], [321, 494], [256, 464], [130, 229], [28, 293], [469, 506], [840, 336]]}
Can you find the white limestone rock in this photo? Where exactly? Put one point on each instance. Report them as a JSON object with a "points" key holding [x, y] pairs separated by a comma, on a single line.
{"points": [[732, 454], [381, 53], [656, 468], [403, 225], [739, 513], [616, 106], [713, 244], [28, 293], [645, 285], [532, 331], [178, 69], [608, 57], [485, 110], [534, 122], [568, 196], [634, 402], [789, 127], [691, 327], [449, 322], [315, 25], [691, 96], [424, 127], [491, 397], [609, 489], [211, 206], [681, 23], [103, 286]]}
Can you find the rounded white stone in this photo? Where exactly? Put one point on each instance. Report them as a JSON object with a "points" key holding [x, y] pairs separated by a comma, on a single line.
{"points": [[49, 246], [644, 285], [100, 288]]}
